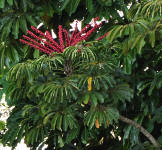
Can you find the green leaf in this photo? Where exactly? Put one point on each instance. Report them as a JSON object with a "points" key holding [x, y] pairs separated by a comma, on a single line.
{"points": [[31, 20], [7, 29], [72, 6], [88, 117], [2, 52], [10, 2], [152, 38], [114, 32], [47, 118], [2, 3], [50, 10], [108, 3], [72, 92], [84, 136], [36, 53], [2, 125], [65, 122], [112, 115], [122, 92], [70, 121], [122, 31], [93, 119], [20, 133], [100, 117], [23, 24], [100, 97], [86, 98], [140, 45], [24, 5], [131, 29], [135, 41], [94, 99], [59, 122], [16, 29], [89, 5], [64, 5], [127, 132], [54, 120], [72, 134], [60, 141], [128, 64]]}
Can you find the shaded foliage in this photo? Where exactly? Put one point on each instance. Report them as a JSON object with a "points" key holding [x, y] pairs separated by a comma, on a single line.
{"points": [[73, 100]]}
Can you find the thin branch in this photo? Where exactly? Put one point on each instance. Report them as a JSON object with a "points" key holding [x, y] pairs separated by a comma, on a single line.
{"points": [[141, 129]]}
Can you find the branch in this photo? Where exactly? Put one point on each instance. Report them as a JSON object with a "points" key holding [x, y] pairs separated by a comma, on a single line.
{"points": [[141, 129]]}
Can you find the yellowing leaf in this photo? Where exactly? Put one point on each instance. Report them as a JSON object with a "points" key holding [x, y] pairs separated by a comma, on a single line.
{"points": [[90, 84], [97, 124]]}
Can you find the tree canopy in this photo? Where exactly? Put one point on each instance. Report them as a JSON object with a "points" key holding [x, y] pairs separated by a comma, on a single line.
{"points": [[93, 94]]}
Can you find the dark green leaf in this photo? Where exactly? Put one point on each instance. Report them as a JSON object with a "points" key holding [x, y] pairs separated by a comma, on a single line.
{"points": [[10, 2], [2, 3]]}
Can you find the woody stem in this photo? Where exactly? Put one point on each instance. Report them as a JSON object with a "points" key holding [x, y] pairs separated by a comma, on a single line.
{"points": [[141, 129]]}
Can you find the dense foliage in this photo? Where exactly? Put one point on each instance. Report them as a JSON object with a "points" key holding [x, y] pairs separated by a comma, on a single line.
{"points": [[73, 100]]}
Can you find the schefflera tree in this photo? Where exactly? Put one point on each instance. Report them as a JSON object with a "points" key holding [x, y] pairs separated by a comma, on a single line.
{"points": [[69, 97]]}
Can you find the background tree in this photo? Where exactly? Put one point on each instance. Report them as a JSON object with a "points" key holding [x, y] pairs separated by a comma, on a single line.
{"points": [[73, 100]]}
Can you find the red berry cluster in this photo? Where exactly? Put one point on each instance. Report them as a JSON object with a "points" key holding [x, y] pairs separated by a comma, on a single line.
{"points": [[45, 43]]}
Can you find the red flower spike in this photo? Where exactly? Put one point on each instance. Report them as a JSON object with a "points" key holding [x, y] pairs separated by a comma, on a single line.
{"points": [[97, 18], [73, 36], [61, 38], [34, 46], [67, 40], [45, 43], [45, 36], [37, 44]]}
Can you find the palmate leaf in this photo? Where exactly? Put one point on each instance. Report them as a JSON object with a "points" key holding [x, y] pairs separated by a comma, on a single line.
{"points": [[9, 54], [154, 83], [85, 53], [136, 33], [148, 9], [72, 134], [21, 71], [58, 91], [140, 26], [32, 67], [60, 121], [103, 115], [99, 81], [112, 114], [11, 135], [152, 8], [157, 115], [121, 92], [94, 97], [34, 135], [48, 63], [72, 6], [13, 23]]}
